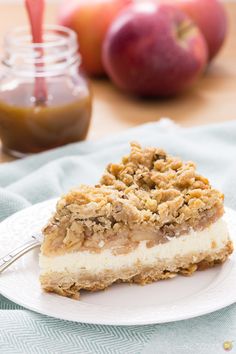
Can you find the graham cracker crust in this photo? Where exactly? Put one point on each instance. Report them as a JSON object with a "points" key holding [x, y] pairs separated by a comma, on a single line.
{"points": [[69, 284]]}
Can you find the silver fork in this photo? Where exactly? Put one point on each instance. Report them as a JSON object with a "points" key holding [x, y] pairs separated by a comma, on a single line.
{"points": [[34, 241]]}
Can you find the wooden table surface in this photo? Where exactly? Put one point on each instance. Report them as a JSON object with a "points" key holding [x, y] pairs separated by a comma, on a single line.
{"points": [[212, 99]]}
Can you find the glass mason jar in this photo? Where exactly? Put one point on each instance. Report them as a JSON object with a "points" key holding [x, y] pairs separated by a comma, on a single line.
{"points": [[29, 123]]}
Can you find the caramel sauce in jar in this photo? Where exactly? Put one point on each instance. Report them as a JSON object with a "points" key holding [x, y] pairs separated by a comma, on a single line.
{"points": [[28, 126]]}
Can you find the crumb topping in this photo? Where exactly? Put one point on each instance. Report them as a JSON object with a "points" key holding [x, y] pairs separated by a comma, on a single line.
{"points": [[148, 193]]}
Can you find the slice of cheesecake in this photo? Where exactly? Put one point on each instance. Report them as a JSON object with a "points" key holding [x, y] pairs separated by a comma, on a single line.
{"points": [[151, 217]]}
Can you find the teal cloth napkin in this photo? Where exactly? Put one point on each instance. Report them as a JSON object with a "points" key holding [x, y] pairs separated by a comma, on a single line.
{"points": [[47, 175]]}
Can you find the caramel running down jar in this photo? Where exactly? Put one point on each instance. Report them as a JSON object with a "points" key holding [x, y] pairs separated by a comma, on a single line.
{"points": [[28, 125]]}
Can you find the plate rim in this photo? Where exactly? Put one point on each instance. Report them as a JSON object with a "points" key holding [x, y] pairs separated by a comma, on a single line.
{"points": [[128, 322]]}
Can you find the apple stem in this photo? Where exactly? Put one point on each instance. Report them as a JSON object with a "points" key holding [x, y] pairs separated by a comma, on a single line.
{"points": [[184, 28]]}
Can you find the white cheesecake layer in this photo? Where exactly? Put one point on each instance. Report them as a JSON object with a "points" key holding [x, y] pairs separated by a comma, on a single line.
{"points": [[211, 240]]}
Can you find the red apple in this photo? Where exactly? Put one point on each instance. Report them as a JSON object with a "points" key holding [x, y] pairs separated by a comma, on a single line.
{"points": [[90, 19], [210, 16], [154, 50]]}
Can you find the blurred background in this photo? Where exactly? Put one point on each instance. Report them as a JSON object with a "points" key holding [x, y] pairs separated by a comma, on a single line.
{"points": [[211, 99]]}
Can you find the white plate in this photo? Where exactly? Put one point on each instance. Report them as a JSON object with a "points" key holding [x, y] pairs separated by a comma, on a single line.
{"points": [[122, 304]]}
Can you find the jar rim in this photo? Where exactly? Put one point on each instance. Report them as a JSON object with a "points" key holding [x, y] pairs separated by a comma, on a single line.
{"points": [[13, 36], [58, 51]]}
